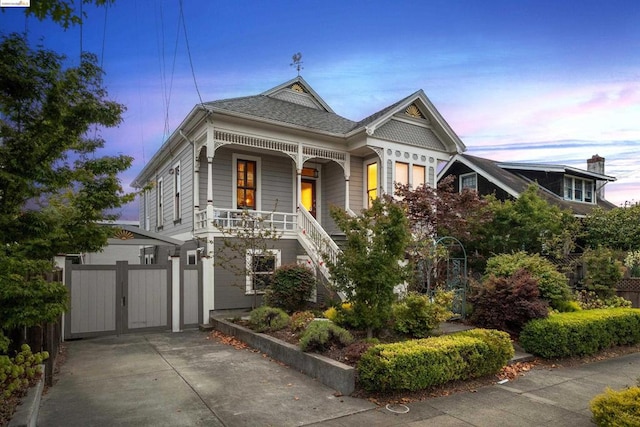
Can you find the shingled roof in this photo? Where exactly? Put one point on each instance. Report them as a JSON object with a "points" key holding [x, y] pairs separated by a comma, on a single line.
{"points": [[269, 108], [517, 183]]}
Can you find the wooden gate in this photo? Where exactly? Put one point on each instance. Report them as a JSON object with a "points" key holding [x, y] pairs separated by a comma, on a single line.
{"points": [[117, 299]]}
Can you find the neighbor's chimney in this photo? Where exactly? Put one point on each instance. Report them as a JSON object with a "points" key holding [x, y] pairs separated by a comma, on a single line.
{"points": [[596, 164]]}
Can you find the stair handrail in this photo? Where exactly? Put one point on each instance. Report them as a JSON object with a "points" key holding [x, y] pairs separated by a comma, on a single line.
{"points": [[323, 243]]}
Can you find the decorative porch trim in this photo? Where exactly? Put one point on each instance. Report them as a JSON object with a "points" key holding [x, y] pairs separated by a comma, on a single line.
{"points": [[291, 149]]}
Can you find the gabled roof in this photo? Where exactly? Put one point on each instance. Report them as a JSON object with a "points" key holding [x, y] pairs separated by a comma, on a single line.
{"points": [[295, 104], [505, 176], [422, 102]]}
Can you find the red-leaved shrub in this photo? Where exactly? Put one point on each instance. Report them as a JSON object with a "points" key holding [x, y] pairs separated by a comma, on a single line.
{"points": [[507, 303]]}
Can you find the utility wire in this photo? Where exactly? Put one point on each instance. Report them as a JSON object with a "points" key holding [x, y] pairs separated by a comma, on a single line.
{"points": [[186, 39]]}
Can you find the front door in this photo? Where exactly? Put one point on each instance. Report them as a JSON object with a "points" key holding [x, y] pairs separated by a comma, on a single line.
{"points": [[308, 195]]}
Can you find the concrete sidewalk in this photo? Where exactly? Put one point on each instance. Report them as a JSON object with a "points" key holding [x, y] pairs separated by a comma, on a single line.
{"points": [[184, 379]]}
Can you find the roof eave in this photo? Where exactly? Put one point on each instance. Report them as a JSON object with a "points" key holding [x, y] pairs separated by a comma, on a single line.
{"points": [[173, 140]]}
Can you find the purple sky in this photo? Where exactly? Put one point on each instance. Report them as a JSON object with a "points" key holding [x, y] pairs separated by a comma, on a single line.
{"points": [[540, 81]]}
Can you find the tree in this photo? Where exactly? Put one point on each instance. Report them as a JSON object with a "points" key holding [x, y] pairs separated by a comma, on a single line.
{"points": [[370, 266], [617, 228], [53, 185], [442, 212], [62, 12], [527, 224], [603, 271]]}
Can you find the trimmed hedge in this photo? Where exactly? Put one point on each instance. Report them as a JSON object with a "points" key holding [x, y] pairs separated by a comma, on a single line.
{"points": [[419, 364], [617, 408], [581, 333]]}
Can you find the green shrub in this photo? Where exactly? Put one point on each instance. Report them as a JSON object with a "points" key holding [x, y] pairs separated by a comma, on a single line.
{"points": [[603, 271], [341, 315], [322, 334], [569, 306], [291, 287], [419, 364], [581, 333], [617, 408], [16, 373], [552, 284], [417, 315], [300, 320], [507, 303], [266, 318], [589, 300]]}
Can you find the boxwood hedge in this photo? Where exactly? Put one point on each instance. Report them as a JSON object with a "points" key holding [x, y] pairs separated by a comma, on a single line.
{"points": [[617, 408], [419, 364], [581, 333]]}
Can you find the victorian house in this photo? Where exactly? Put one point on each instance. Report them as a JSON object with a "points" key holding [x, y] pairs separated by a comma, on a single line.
{"points": [[285, 157]]}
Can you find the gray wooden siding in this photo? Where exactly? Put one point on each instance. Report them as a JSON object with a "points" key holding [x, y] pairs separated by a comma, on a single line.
{"points": [[148, 298], [333, 186], [230, 290], [93, 300], [356, 184], [184, 155], [277, 185], [222, 185]]}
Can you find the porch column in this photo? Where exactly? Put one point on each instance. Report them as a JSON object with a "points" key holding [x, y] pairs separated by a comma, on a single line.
{"points": [[346, 192], [209, 189], [298, 186], [196, 185]]}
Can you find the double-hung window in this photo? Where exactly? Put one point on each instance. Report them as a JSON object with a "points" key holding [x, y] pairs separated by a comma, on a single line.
{"points": [[260, 268], [418, 175], [246, 184], [177, 187], [160, 204], [578, 189], [402, 173]]}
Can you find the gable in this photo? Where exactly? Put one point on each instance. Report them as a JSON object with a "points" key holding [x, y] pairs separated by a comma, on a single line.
{"points": [[408, 133], [298, 91]]}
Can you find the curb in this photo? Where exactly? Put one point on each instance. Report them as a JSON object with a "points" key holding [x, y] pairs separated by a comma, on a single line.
{"points": [[26, 414]]}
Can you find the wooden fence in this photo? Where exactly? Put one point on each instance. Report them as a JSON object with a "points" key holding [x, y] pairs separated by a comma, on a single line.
{"points": [[629, 288]]}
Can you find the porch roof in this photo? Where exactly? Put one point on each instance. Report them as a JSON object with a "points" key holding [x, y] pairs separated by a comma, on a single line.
{"points": [[281, 111]]}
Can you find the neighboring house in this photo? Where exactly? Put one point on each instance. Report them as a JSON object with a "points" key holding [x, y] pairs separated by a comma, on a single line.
{"points": [[570, 188], [287, 157]]}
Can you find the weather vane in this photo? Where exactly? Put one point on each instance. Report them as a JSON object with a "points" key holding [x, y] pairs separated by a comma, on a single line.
{"points": [[297, 62]]}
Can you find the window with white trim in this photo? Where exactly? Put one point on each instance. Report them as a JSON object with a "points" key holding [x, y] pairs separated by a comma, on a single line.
{"points": [[260, 268], [160, 204], [372, 182], [470, 181], [402, 173], [177, 187], [246, 182], [578, 189], [419, 172]]}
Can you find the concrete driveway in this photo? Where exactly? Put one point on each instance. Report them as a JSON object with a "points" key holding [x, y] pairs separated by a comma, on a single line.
{"points": [[184, 379]]}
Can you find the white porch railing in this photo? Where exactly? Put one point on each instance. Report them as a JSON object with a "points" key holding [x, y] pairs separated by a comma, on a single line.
{"points": [[316, 241], [238, 218]]}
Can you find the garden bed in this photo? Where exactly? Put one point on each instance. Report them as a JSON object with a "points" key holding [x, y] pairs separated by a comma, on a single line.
{"points": [[330, 372]]}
